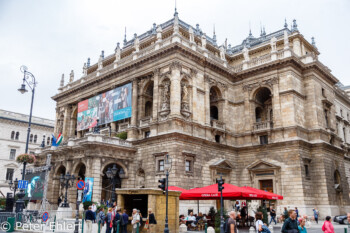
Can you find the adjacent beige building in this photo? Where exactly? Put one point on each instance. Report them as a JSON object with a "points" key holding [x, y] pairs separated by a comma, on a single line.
{"points": [[263, 113]]}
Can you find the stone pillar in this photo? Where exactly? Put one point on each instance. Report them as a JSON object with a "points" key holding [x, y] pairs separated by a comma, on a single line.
{"points": [[175, 89], [134, 103], [207, 100], [247, 116], [297, 46], [155, 94], [95, 171], [57, 121], [66, 121], [276, 107], [113, 126]]}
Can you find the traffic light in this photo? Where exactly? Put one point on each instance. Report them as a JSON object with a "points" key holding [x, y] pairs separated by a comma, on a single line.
{"points": [[162, 184], [220, 184]]}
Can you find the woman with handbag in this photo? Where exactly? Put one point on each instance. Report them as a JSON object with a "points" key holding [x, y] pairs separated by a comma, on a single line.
{"points": [[151, 222]]}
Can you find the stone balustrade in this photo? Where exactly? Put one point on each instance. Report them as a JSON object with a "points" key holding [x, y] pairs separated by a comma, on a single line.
{"points": [[218, 124], [264, 125], [123, 127], [145, 121], [98, 138]]}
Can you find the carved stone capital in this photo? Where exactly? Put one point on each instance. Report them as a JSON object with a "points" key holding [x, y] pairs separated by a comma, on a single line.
{"points": [[175, 65], [193, 72], [156, 71]]}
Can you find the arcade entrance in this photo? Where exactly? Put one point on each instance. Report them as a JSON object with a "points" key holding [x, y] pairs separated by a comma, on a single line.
{"points": [[139, 202]]}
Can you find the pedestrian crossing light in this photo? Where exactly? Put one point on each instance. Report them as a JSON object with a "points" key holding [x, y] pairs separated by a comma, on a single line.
{"points": [[162, 184], [220, 184]]}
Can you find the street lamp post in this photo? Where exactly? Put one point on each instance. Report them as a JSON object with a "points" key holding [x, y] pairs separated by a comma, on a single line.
{"points": [[29, 79], [67, 181], [112, 174], [13, 186], [167, 168]]}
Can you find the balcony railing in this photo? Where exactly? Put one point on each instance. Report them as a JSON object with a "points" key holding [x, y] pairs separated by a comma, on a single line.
{"points": [[217, 124], [264, 125]]}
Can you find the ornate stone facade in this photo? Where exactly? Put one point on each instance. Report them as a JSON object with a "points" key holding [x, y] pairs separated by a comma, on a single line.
{"points": [[254, 113]]}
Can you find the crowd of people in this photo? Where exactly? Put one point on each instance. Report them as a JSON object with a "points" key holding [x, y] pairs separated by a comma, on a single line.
{"points": [[115, 215]]}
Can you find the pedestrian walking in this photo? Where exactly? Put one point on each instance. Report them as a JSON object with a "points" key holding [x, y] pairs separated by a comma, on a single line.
{"points": [[231, 226], [89, 219], [290, 224], [125, 221], [273, 216], [328, 226], [316, 214], [151, 221], [258, 217], [109, 221], [285, 214], [301, 227], [348, 217], [244, 215], [101, 217], [135, 220], [297, 212]]}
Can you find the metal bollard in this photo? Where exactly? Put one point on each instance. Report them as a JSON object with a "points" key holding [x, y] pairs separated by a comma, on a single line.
{"points": [[137, 227], [54, 224], [118, 225], [345, 230], [99, 227], [82, 223], [206, 227]]}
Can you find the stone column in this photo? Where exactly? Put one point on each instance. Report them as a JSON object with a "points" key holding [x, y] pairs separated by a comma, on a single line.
{"points": [[113, 126], [194, 97], [95, 172], [175, 89], [66, 121], [134, 103], [207, 100], [155, 94], [276, 107], [247, 116], [297, 46]]}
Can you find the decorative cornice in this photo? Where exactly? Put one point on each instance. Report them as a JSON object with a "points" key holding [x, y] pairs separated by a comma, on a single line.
{"points": [[267, 82]]}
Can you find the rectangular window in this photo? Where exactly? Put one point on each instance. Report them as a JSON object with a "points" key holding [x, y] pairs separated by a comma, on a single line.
{"points": [[9, 173], [188, 166], [264, 140], [13, 154], [161, 165]]}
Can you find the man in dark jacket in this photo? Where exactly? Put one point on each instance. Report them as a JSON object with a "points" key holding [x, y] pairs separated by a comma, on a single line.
{"points": [[125, 221], [290, 224], [89, 218], [117, 218]]}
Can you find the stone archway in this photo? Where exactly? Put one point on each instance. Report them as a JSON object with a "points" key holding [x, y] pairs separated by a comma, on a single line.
{"points": [[57, 190], [106, 183]]}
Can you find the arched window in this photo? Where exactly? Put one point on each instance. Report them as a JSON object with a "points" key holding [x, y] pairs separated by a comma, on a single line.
{"points": [[35, 138], [13, 135], [215, 104], [17, 136], [31, 138], [48, 141], [214, 113], [263, 105]]}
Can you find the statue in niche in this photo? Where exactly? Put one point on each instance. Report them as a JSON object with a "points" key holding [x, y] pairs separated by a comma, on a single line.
{"points": [[166, 96], [185, 107], [222, 52]]}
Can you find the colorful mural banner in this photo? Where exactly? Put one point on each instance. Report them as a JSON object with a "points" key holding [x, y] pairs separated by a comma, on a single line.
{"points": [[113, 105], [89, 183]]}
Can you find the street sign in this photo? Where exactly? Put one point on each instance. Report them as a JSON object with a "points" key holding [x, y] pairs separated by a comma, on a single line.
{"points": [[22, 184], [45, 216], [80, 184], [80, 192]]}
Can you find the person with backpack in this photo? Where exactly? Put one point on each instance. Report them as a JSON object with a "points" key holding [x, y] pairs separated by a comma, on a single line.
{"points": [[230, 225]]}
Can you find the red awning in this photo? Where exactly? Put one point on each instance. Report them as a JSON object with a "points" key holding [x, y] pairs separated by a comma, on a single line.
{"points": [[175, 188], [211, 193], [267, 195]]}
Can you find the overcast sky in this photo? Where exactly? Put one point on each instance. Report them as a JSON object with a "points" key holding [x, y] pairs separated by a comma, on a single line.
{"points": [[55, 37]]}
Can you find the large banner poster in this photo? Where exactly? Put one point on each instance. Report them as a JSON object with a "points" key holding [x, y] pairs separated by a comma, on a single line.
{"points": [[113, 105], [89, 182], [35, 188]]}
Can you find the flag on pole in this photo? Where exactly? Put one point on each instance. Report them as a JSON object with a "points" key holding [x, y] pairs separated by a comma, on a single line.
{"points": [[57, 142]]}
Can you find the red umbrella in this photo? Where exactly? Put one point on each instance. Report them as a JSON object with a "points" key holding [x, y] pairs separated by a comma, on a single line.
{"points": [[175, 188], [211, 193], [266, 195]]}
